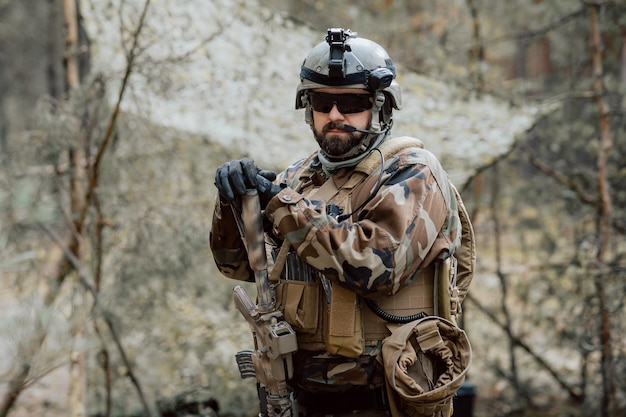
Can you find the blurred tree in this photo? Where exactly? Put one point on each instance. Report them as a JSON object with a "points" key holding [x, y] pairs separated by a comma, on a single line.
{"points": [[70, 250], [119, 286], [578, 240]]}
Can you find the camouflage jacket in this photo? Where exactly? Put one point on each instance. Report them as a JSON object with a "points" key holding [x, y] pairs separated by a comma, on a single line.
{"points": [[399, 230]]}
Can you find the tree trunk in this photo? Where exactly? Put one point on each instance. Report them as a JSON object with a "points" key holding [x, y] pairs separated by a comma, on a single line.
{"points": [[604, 218], [77, 203]]}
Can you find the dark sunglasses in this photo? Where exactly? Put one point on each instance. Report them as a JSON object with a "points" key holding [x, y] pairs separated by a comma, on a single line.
{"points": [[346, 103]]}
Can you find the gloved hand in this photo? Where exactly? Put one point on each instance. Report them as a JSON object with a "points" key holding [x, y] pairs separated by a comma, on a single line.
{"points": [[233, 178], [266, 189]]}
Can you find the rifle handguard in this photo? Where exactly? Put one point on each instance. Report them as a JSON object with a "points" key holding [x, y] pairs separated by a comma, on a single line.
{"points": [[255, 245]]}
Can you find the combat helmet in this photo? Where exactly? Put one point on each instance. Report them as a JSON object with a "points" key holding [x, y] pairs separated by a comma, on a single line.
{"points": [[345, 60]]}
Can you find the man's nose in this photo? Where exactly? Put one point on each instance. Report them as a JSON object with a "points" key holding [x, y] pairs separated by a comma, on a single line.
{"points": [[335, 114]]}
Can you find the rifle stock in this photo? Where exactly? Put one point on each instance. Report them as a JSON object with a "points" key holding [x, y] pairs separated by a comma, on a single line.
{"points": [[274, 339]]}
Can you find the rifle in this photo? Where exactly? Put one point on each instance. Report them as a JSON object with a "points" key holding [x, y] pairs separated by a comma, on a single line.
{"points": [[274, 339]]}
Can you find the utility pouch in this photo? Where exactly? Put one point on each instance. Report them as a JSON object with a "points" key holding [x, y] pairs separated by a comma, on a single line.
{"points": [[345, 324], [301, 300], [323, 373], [425, 363], [443, 278], [300, 303]]}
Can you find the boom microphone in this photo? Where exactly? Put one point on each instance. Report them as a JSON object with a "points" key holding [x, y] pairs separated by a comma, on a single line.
{"points": [[349, 128]]}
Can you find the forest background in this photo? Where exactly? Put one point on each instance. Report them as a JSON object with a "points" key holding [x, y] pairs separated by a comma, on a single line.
{"points": [[115, 114]]}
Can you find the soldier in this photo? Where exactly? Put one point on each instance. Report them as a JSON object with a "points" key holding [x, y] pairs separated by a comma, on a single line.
{"points": [[361, 222]]}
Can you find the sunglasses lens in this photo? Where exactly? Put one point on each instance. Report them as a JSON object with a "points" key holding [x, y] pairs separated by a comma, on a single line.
{"points": [[346, 103]]}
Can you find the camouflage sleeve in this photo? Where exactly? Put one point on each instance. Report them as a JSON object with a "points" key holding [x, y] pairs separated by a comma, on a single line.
{"points": [[226, 245], [229, 253], [402, 229]]}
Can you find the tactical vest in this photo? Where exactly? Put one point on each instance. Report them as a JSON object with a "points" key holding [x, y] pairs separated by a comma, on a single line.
{"points": [[332, 318]]}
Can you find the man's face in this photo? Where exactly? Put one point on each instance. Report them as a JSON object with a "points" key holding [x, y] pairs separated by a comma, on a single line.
{"points": [[332, 109]]}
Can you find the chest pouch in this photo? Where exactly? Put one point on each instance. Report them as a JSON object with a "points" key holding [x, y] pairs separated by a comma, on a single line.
{"points": [[301, 296]]}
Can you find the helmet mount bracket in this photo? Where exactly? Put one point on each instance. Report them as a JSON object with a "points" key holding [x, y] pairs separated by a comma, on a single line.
{"points": [[336, 39]]}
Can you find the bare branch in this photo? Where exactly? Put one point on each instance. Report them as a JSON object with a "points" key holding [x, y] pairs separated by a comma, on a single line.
{"points": [[572, 392], [537, 33], [112, 122], [86, 280], [560, 177]]}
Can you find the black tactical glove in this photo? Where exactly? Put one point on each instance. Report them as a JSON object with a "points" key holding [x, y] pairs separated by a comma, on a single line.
{"points": [[266, 189], [233, 178]]}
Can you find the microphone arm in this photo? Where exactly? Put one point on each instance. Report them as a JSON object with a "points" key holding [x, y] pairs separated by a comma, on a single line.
{"points": [[350, 128]]}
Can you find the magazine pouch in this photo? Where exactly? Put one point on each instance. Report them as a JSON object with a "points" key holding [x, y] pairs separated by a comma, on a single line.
{"points": [[345, 324]]}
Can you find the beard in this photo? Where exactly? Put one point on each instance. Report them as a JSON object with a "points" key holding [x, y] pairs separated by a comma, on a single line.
{"points": [[334, 145]]}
